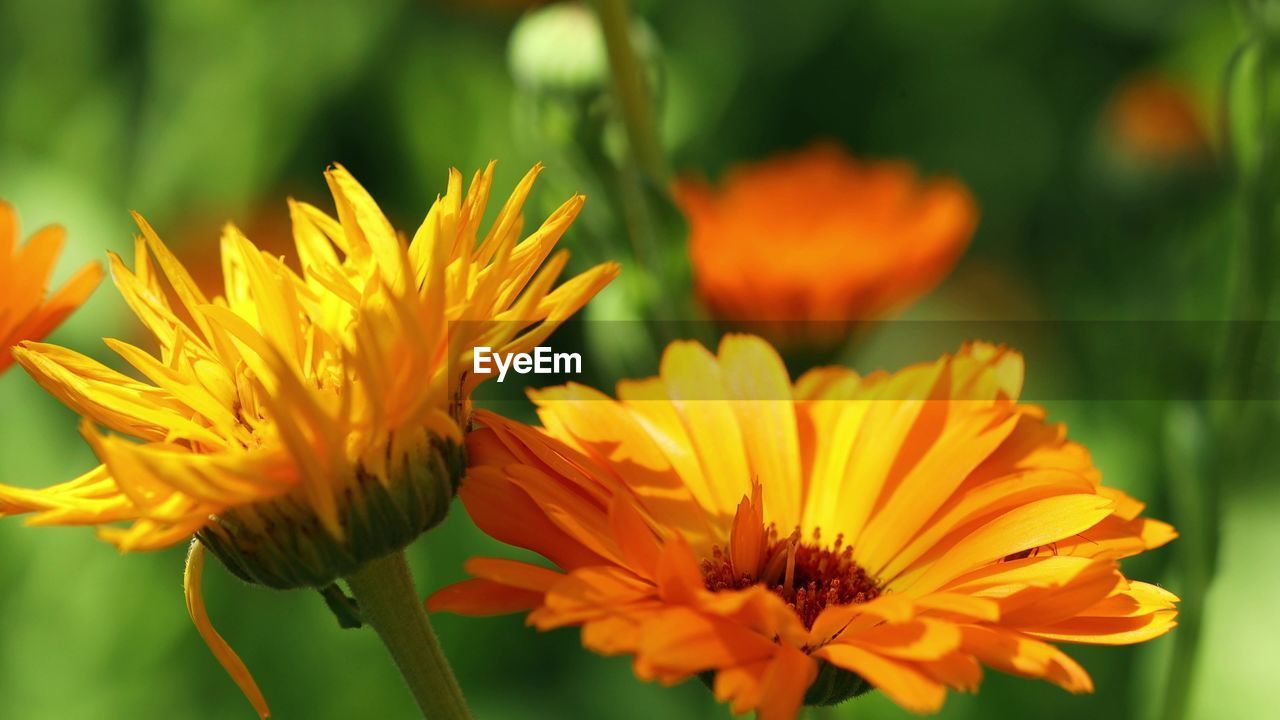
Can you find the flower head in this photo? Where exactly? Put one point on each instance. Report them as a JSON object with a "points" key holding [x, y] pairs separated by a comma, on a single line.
{"points": [[302, 424], [25, 312], [803, 542], [820, 237], [1154, 120]]}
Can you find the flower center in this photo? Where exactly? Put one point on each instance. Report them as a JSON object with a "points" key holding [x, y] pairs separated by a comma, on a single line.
{"points": [[808, 575]]}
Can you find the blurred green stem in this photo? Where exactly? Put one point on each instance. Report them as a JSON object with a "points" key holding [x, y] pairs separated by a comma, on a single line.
{"points": [[1194, 500], [388, 601], [1252, 262], [1226, 426], [632, 89], [646, 171]]}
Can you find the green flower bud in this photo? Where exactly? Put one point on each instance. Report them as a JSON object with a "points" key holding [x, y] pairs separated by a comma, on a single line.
{"points": [[561, 49]]}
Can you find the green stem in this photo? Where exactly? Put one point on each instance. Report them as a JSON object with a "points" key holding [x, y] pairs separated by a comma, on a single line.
{"points": [[646, 169], [632, 89], [388, 602], [1196, 495], [1186, 640], [1194, 502]]}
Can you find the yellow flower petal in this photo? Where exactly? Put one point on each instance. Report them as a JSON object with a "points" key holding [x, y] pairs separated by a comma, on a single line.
{"points": [[235, 667]]}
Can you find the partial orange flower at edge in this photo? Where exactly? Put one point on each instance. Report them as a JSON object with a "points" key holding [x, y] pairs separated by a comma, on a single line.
{"points": [[906, 528], [25, 311]]}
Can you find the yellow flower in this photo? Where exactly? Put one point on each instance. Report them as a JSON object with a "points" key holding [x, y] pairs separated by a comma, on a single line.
{"points": [[801, 543], [303, 424], [802, 245], [25, 312]]}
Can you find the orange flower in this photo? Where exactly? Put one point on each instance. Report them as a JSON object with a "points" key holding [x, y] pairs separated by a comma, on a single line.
{"points": [[25, 312], [806, 542], [821, 236], [1154, 119]]}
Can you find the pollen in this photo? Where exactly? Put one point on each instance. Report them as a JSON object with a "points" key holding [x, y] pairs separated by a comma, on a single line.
{"points": [[809, 575]]}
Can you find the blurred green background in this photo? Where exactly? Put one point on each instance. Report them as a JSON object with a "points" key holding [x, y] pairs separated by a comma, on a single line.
{"points": [[200, 112]]}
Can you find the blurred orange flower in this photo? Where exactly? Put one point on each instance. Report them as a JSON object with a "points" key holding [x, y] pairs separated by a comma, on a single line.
{"points": [[821, 236], [1153, 118], [25, 312], [803, 543]]}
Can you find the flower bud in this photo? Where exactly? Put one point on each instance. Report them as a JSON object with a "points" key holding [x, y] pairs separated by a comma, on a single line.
{"points": [[561, 49]]}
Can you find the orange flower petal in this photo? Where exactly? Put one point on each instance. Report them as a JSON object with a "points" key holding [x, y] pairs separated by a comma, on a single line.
{"points": [[1020, 655], [481, 598], [901, 681], [1029, 526], [684, 641], [1108, 630], [505, 511], [787, 676], [636, 540]]}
